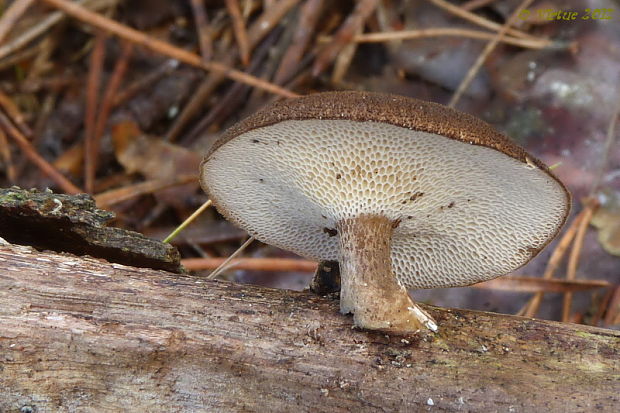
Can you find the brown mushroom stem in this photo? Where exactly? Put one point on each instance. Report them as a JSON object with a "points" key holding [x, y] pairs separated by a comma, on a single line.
{"points": [[369, 288]]}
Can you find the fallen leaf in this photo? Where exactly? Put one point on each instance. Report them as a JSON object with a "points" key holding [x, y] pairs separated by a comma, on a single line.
{"points": [[156, 159], [536, 284], [607, 220]]}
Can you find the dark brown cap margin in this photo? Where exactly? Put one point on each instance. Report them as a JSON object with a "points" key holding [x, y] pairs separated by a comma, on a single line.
{"points": [[397, 110]]}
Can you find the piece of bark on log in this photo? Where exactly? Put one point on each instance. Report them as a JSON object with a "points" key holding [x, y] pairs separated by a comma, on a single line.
{"points": [[78, 334], [74, 224]]}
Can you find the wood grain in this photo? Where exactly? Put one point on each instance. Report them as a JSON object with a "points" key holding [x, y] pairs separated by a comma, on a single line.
{"points": [[79, 334]]}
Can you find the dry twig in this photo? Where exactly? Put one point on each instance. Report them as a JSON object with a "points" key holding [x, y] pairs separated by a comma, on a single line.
{"points": [[32, 154], [225, 263], [188, 221], [5, 152], [531, 308], [575, 231], [234, 96], [114, 196], [32, 33], [351, 26], [344, 60], [90, 117], [144, 82], [525, 284], [485, 53], [602, 307], [591, 204], [257, 32], [475, 4], [11, 15], [308, 18], [241, 35], [46, 24], [106, 107], [612, 315], [204, 30], [194, 105], [510, 283], [268, 20], [573, 258], [107, 103], [252, 264], [15, 115], [21, 55], [164, 48], [449, 31], [480, 21]]}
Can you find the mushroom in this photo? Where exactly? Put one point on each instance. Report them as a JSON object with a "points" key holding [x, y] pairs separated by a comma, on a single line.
{"points": [[402, 193]]}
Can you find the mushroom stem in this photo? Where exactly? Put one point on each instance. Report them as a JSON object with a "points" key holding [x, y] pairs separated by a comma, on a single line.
{"points": [[369, 288]]}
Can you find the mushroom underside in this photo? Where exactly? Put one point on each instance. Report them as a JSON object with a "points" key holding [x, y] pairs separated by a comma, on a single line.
{"points": [[396, 207], [462, 213]]}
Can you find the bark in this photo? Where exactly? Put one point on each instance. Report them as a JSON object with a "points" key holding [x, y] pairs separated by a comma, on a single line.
{"points": [[74, 224], [79, 334]]}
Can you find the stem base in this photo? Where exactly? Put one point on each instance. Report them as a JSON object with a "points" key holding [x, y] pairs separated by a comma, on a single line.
{"points": [[369, 288]]}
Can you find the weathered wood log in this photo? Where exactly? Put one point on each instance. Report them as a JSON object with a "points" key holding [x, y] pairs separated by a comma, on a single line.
{"points": [[78, 334]]}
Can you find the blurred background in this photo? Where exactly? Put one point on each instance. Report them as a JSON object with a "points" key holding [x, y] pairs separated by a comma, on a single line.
{"points": [[120, 99]]}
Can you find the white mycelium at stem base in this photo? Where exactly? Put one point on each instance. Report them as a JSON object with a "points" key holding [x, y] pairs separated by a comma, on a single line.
{"points": [[369, 288]]}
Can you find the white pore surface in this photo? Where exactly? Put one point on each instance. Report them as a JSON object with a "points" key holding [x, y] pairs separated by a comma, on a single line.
{"points": [[468, 213]]}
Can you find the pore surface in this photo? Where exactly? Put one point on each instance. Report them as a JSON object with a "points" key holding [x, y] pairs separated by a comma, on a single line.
{"points": [[465, 213]]}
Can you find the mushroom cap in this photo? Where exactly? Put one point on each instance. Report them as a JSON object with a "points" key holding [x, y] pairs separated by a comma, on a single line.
{"points": [[467, 203]]}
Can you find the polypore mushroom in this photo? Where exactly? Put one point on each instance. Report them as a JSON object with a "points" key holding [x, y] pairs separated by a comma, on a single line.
{"points": [[402, 193]]}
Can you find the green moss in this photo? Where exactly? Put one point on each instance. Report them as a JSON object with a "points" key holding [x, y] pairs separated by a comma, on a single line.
{"points": [[10, 197], [586, 335]]}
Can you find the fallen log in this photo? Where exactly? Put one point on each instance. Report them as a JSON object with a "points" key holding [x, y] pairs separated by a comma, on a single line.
{"points": [[80, 334]]}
